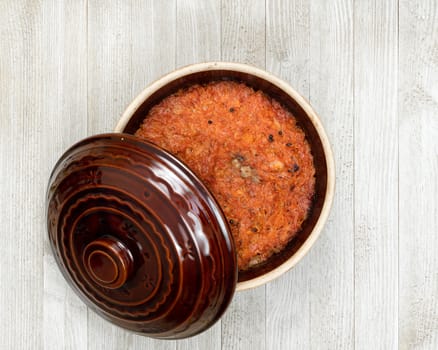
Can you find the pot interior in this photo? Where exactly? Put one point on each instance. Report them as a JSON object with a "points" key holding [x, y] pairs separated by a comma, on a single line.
{"points": [[303, 121]]}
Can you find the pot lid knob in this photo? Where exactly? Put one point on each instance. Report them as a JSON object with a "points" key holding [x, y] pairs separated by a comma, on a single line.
{"points": [[108, 262], [139, 237]]}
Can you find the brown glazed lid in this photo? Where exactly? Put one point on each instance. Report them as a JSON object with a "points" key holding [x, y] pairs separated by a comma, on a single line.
{"points": [[139, 237]]}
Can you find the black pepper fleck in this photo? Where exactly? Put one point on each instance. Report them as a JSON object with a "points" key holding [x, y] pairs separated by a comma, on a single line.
{"points": [[232, 109], [294, 169], [280, 133], [239, 157], [231, 221], [210, 122], [254, 229], [288, 144], [271, 138]]}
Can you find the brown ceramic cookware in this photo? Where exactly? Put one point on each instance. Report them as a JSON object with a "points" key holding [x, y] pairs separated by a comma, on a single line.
{"points": [[142, 240]]}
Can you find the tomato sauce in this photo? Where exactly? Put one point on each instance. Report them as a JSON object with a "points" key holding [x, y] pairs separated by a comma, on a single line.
{"points": [[250, 153]]}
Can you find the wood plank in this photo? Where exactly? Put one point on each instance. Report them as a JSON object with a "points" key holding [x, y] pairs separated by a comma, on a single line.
{"points": [[153, 40], [109, 91], [244, 323], [331, 94], [65, 315], [418, 129], [65, 106], [210, 339], [243, 40], [198, 34], [376, 174], [288, 56], [129, 46], [288, 309], [24, 163], [109, 63], [243, 31], [198, 39]]}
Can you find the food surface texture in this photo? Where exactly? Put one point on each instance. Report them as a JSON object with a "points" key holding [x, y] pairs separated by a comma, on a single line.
{"points": [[250, 153]]}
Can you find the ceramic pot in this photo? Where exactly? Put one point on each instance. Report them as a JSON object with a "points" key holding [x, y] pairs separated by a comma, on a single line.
{"points": [[142, 240]]}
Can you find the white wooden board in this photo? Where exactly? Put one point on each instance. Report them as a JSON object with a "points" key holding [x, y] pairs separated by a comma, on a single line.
{"points": [[69, 68]]}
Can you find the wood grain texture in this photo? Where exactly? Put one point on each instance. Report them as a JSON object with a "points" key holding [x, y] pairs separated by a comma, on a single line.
{"points": [[153, 42], [244, 323], [65, 94], [109, 63], [418, 125], [331, 94], [198, 39], [376, 174], [243, 40], [109, 91], [243, 31], [153, 48], [198, 34], [211, 339], [370, 69], [288, 56], [129, 45], [24, 164]]}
